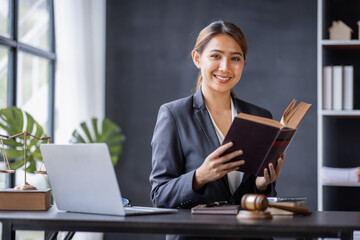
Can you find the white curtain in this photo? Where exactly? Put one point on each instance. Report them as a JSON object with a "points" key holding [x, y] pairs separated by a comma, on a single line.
{"points": [[80, 73]]}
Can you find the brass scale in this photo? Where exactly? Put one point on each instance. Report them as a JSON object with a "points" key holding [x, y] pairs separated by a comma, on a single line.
{"points": [[7, 169]]}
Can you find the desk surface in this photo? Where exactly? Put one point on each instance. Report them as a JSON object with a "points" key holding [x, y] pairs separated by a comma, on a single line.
{"points": [[319, 224]]}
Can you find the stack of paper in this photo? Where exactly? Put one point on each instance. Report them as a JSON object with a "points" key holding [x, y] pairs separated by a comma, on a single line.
{"points": [[340, 175]]}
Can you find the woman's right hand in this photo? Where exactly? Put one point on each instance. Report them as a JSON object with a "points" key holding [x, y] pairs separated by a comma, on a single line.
{"points": [[215, 167]]}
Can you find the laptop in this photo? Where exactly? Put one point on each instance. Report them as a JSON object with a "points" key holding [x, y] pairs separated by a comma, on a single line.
{"points": [[83, 179]]}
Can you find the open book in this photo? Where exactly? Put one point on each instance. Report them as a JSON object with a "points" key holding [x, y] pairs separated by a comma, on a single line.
{"points": [[263, 140]]}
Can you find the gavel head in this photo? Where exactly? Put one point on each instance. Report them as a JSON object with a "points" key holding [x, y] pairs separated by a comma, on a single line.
{"points": [[254, 202]]}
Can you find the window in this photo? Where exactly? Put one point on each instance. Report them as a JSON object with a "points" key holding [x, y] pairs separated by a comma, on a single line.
{"points": [[4, 18], [34, 16], [27, 60], [4, 58]]}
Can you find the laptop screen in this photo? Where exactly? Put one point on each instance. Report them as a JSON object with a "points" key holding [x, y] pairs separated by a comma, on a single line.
{"points": [[83, 178]]}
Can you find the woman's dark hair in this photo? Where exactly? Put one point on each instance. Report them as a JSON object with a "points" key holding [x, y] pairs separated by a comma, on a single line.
{"points": [[216, 28]]}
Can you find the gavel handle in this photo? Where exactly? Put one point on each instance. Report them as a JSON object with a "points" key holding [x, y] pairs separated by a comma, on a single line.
{"points": [[299, 210]]}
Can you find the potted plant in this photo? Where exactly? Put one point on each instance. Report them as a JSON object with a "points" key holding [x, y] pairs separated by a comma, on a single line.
{"points": [[109, 133], [13, 121]]}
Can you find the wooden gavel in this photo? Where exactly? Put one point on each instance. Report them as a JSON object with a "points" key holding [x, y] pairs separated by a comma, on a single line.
{"points": [[258, 202]]}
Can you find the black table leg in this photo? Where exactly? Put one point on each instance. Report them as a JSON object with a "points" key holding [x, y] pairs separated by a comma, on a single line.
{"points": [[7, 231], [346, 235]]}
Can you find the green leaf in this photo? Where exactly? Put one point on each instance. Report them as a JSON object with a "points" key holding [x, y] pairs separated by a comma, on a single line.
{"points": [[110, 134], [77, 138], [95, 127], [30, 123], [12, 120], [114, 159], [38, 133], [31, 168], [115, 149], [86, 131], [13, 153], [18, 117], [37, 154], [12, 143], [17, 164], [6, 128]]}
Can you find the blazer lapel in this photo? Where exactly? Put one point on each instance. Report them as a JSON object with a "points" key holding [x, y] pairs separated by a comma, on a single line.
{"points": [[246, 176], [204, 119]]}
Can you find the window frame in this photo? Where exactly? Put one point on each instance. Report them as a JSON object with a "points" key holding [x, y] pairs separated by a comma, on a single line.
{"points": [[14, 46]]}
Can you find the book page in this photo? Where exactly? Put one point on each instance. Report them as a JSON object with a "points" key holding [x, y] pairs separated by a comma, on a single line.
{"points": [[287, 111], [293, 115], [266, 121]]}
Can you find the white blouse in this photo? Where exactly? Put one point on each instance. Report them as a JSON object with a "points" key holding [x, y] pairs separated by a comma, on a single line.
{"points": [[235, 177]]}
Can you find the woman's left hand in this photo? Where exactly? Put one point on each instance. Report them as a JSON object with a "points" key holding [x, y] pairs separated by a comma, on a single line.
{"points": [[263, 182]]}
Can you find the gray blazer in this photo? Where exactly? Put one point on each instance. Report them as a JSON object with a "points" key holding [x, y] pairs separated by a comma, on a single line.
{"points": [[183, 137]]}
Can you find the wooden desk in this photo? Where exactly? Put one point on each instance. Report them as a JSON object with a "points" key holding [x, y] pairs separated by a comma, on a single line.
{"points": [[319, 224]]}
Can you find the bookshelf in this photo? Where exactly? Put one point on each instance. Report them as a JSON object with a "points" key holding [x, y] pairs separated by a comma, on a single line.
{"points": [[342, 45], [338, 130], [343, 184], [342, 113]]}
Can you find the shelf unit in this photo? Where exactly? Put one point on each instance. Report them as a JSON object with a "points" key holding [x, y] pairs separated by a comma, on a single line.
{"points": [[338, 130], [344, 184], [351, 45]]}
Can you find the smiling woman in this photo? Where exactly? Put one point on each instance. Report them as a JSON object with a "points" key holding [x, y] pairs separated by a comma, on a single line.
{"points": [[221, 63], [188, 136], [227, 29]]}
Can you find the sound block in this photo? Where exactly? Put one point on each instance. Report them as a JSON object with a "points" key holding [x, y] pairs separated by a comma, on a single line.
{"points": [[245, 214]]}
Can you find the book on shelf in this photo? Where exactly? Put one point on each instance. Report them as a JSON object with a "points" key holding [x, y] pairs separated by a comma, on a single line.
{"points": [[337, 87], [11, 199], [327, 88], [348, 87], [285, 201], [263, 140], [219, 209]]}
